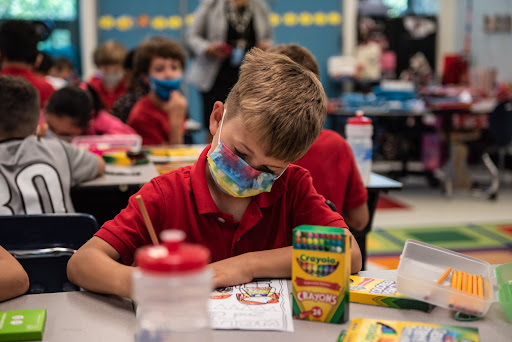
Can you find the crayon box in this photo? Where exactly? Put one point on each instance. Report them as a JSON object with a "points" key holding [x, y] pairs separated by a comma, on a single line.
{"points": [[382, 292], [378, 330], [22, 325], [320, 274]]}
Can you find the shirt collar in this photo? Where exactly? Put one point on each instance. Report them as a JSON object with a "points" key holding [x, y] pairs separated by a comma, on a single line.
{"points": [[16, 71], [204, 200]]}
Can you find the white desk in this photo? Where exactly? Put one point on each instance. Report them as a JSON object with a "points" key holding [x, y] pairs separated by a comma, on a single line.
{"points": [[142, 175], [85, 316]]}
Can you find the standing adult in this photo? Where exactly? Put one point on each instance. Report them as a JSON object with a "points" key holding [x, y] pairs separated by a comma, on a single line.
{"points": [[223, 30]]}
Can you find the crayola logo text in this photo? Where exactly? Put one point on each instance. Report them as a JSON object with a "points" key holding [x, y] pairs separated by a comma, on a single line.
{"points": [[316, 260], [317, 297]]}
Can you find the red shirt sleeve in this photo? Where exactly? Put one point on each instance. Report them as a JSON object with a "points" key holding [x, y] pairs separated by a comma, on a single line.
{"points": [[127, 231], [308, 207]]}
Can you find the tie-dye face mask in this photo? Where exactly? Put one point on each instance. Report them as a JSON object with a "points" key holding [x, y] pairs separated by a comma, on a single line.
{"points": [[234, 176]]}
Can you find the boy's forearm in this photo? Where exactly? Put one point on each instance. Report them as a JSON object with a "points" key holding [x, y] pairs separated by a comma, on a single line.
{"points": [[95, 271], [356, 260], [277, 263], [274, 263], [13, 281], [176, 135]]}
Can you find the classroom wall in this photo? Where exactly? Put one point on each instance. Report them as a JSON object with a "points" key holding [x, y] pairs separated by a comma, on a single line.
{"points": [[313, 24], [488, 49]]}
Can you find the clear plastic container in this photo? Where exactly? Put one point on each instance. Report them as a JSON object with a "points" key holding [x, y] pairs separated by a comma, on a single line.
{"points": [[422, 264], [359, 131], [171, 288]]}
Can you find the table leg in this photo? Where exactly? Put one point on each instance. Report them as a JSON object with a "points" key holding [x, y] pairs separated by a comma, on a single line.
{"points": [[373, 198]]}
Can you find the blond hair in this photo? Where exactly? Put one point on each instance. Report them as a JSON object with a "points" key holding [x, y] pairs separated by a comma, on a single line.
{"points": [[108, 53], [298, 54], [280, 101]]}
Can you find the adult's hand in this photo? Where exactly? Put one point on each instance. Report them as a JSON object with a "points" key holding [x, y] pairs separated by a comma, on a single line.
{"points": [[218, 50]]}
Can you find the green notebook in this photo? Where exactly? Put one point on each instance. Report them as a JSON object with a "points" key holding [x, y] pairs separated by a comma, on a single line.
{"points": [[22, 325]]}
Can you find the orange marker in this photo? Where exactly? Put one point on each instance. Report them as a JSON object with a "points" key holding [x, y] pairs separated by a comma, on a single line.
{"points": [[459, 280], [470, 283], [444, 275]]}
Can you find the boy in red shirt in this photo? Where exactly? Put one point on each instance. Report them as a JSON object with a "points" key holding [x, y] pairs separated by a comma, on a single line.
{"points": [[18, 53], [330, 159], [242, 198], [159, 116], [109, 80]]}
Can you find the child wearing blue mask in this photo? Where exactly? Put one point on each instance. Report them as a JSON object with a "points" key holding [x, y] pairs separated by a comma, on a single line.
{"points": [[159, 116], [242, 198]]}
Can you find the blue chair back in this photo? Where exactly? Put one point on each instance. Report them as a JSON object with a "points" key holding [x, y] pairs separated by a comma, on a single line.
{"points": [[43, 245]]}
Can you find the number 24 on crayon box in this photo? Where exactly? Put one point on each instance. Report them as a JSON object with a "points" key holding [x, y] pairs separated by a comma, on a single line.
{"points": [[320, 274]]}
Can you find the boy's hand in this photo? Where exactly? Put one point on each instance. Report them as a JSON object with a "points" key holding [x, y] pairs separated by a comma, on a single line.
{"points": [[41, 130], [176, 106], [231, 271]]}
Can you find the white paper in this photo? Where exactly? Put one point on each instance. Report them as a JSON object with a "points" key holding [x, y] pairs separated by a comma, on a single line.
{"points": [[261, 305]]}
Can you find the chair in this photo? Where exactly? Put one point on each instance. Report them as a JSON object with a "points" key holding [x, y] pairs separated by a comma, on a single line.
{"points": [[43, 245], [500, 128]]}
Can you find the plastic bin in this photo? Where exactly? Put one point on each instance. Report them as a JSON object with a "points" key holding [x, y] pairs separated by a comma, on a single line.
{"points": [[422, 264]]}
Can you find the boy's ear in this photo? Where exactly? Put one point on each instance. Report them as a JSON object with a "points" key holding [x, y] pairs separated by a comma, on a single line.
{"points": [[38, 61], [216, 117]]}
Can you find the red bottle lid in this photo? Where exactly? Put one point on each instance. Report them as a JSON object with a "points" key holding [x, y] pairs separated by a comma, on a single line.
{"points": [[359, 119], [173, 255]]}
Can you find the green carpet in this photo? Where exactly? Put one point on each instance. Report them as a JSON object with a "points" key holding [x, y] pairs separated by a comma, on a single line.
{"points": [[489, 242]]}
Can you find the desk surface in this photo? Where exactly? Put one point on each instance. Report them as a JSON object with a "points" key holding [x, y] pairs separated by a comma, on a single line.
{"points": [[148, 171], [85, 316], [143, 174], [379, 182]]}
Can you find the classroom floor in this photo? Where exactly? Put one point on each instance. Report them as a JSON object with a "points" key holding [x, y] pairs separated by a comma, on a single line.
{"points": [[427, 207]]}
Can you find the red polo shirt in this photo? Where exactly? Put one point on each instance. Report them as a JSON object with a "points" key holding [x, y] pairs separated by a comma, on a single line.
{"points": [[151, 123], [44, 88], [181, 199], [335, 175], [107, 97]]}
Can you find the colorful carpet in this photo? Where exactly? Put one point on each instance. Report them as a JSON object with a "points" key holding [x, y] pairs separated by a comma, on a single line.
{"points": [[489, 242], [388, 202]]}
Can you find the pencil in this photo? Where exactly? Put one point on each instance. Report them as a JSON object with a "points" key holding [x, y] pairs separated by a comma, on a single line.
{"points": [[470, 283], [480, 286], [464, 281], [454, 280], [147, 220], [444, 275], [459, 280], [475, 285], [486, 287]]}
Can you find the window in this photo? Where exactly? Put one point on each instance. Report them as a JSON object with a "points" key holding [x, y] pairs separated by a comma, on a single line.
{"points": [[65, 38]]}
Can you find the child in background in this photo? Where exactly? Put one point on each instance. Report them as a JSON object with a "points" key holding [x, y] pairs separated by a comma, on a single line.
{"points": [[330, 159], [242, 198], [109, 81], [36, 174], [43, 70], [13, 278], [136, 88], [18, 51], [72, 111], [62, 68], [159, 116]]}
